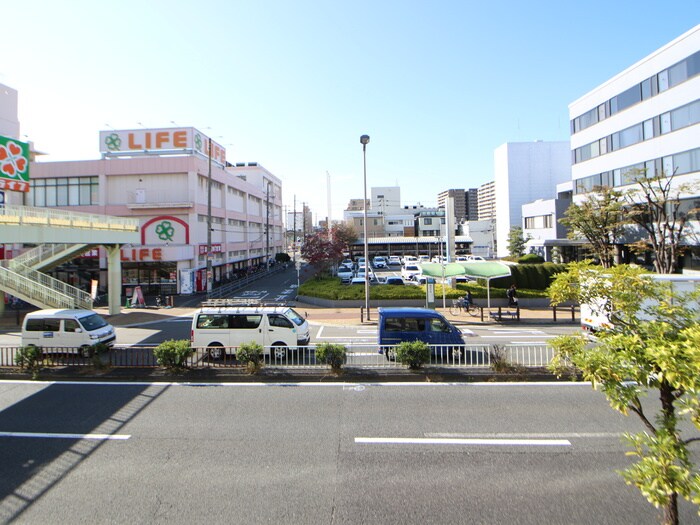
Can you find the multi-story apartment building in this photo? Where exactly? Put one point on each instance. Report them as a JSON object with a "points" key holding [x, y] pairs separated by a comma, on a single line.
{"points": [[486, 201], [459, 197], [645, 118]]}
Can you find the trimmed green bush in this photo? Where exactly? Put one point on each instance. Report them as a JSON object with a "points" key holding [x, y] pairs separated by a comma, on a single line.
{"points": [[173, 353], [531, 258], [413, 353], [251, 354], [31, 358], [331, 354]]}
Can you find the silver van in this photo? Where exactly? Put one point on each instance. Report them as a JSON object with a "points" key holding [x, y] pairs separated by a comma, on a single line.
{"points": [[63, 331]]}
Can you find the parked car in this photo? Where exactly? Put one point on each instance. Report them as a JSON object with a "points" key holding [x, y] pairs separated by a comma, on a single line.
{"points": [[379, 262], [394, 260], [345, 273], [394, 280], [410, 271], [409, 259]]}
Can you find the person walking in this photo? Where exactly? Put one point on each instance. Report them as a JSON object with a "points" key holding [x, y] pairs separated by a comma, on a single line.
{"points": [[512, 295]]}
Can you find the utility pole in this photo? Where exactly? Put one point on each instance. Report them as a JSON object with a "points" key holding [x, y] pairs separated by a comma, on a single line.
{"points": [[267, 229], [210, 276], [294, 231]]}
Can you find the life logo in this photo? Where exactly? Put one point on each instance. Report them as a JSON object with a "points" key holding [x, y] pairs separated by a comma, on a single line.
{"points": [[14, 159]]}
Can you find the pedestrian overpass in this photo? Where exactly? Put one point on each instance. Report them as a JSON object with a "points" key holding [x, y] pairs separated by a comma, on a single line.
{"points": [[60, 236]]}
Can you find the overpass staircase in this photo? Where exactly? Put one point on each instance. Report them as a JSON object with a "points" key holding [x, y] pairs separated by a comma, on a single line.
{"points": [[22, 276]]}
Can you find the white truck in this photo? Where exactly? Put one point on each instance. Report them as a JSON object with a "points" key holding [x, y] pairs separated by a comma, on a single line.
{"points": [[593, 317]]}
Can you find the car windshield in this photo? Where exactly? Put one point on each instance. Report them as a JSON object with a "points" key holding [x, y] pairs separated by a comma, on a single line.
{"points": [[295, 317], [412, 268], [92, 322]]}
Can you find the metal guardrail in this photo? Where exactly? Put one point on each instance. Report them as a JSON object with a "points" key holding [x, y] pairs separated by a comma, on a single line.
{"points": [[31, 216], [35, 256], [36, 285], [357, 357]]}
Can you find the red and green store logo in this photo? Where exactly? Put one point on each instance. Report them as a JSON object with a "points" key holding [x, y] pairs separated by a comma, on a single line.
{"points": [[14, 165]]}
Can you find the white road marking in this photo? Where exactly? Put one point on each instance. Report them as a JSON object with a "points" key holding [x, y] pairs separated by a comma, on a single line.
{"points": [[556, 435], [42, 435], [464, 441], [320, 331]]}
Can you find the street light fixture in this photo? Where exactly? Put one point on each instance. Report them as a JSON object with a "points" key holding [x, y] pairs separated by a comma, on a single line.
{"points": [[364, 140]]}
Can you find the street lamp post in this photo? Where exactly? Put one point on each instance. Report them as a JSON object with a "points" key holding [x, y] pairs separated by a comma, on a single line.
{"points": [[364, 140]]}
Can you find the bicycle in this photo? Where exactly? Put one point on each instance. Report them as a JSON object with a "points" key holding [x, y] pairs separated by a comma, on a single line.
{"points": [[459, 306]]}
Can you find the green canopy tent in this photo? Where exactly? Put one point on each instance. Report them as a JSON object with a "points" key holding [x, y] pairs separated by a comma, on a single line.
{"points": [[477, 269]]}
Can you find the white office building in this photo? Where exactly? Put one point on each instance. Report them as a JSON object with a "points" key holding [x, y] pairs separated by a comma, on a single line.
{"points": [[525, 172], [646, 117]]}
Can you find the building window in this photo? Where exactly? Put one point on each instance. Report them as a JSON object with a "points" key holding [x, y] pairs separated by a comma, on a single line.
{"points": [[63, 191]]}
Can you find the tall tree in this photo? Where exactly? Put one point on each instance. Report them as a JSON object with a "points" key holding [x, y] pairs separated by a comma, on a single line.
{"points": [[516, 241], [652, 344], [654, 205], [323, 250], [598, 219]]}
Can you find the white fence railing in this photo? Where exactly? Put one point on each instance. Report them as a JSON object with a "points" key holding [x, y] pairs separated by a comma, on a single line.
{"points": [[363, 356], [31, 216], [27, 283], [44, 252]]}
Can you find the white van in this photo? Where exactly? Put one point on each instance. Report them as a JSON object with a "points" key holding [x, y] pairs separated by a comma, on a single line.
{"points": [[221, 329], [64, 331]]}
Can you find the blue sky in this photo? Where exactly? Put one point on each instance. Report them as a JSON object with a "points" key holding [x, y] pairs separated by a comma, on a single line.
{"points": [[293, 84]]}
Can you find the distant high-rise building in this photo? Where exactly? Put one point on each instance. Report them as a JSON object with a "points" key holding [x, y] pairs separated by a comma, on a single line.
{"points": [[486, 201], [472, 204], [460, 202]]}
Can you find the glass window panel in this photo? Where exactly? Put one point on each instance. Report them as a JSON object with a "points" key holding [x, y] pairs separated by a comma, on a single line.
{"points": [[667, 166], [73, 180], [50, 182], [665, 123], [603, 145], [615, 141], [73, 195], [693, 64], [601, 112], [51, 196], [630, 136], [40, 197], [651, 169], [677, 74], [617, 177], [62, 196], [629, 98], [681, 163], [694, 160], [39, 182], [84, 198], [646, 89], [680, 118], [663, 80], [648, 129], [595, 150], [94, 197]]}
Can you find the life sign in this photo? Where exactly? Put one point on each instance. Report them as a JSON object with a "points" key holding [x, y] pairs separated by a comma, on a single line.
{"points": [[160, 141], [14, 165]]}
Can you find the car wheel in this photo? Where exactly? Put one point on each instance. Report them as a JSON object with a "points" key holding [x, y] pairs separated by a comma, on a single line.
{"points": [[278, 353], [216, 352]]}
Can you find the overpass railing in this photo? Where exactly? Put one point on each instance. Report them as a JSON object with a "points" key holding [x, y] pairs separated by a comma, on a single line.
{"points": [[31, 216], [28, 283]]}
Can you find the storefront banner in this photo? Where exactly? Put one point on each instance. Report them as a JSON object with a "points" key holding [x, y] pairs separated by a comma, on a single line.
{"points": [[14, 164]]}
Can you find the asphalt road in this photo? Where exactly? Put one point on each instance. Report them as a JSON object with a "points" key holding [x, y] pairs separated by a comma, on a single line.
{"points": [[335, 453]]}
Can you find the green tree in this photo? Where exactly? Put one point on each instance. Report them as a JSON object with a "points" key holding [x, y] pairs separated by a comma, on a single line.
{"points": [[654, 204], [516, 242], [598, 219], [652, 346]]}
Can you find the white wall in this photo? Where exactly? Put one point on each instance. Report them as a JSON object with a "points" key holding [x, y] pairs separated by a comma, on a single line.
{"points": [[525, 172]]}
